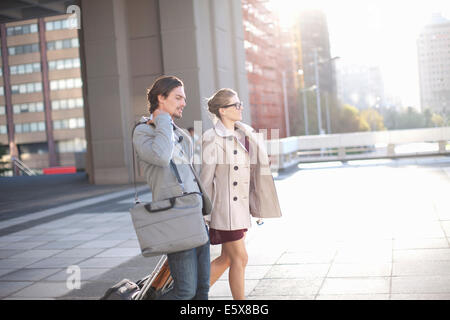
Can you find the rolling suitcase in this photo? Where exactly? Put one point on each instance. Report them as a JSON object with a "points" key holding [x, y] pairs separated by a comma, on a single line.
{"points": [[150, 287]]}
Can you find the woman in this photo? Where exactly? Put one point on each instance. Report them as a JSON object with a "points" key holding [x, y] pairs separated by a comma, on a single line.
{"points": [[235, 173]]}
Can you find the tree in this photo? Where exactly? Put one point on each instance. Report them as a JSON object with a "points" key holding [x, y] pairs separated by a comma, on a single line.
{"points": [[374, 119], [351, 121], [437, 120]]}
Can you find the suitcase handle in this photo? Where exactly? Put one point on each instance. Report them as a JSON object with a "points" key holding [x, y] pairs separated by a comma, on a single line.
{"points": [[148, 206]]}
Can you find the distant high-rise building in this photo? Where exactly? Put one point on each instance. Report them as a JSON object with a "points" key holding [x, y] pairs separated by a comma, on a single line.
{"points": [[433, 48], [41, 99], [360, 86], [315, 37]]}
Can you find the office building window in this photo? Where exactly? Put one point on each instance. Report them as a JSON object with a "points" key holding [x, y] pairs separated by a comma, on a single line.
{"points": [[28, 107], [72, 123], [63, 84], [23, 29], [63, 44], [30, 127], [67, 104], [25, 68], [2, 110], [2, 91], [23, 49], [3, 129], [57, 25], [75, 145], [26, 88], [64, 64]]}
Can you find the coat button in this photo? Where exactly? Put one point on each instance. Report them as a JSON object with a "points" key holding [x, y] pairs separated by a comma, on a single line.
{"points": [[235, 151], [236, 167], [235, 183], [235, 198]]}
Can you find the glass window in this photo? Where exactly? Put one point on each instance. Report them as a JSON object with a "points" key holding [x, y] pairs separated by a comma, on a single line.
{"points": [[31, 107], [72, 123], [36, 67], [59, 64], [69, 85], [58, 45], [75, 43], [63, 104], [62, 84], [33, 127], [38, 86], [26, 29], [57, 124], [18, 128], [71, 103], [13, 69], [41, 126], [55, 105], [30, 87], [28, 68], [76, 62], [23, 108], [12, 51], [54, 85], [52, 65], [21, 69], [57, 24], [25, 127], [16, 108], [1, 91], [80, 102], [68, 64], [49, 25], [39, 107], [2, 110], [3, 129], [33, 28], [80, 122], [23, 88], [78, 83]]}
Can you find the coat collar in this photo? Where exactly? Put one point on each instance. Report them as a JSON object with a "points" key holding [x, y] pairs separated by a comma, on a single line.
{"points": [[222, 131]]}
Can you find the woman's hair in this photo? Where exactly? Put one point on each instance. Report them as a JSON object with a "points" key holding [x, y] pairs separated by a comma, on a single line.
{"points": [[220, 99], [162, 86]]}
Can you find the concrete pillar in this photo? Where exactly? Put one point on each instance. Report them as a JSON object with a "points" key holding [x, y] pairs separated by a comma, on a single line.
{"points": [[127, 44]]}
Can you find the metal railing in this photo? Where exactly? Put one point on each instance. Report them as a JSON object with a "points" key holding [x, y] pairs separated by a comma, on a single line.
{"points": [[16, 163], [291, 151]]}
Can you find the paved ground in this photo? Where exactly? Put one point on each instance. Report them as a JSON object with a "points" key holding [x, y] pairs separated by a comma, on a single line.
{"points": [[364, 230]]}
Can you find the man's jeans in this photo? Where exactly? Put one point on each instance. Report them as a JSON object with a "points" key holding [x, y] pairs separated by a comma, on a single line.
{"points": [[190, 270]]}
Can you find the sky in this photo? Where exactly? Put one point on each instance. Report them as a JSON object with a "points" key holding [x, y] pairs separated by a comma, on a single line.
{"points": [[376, 33]]}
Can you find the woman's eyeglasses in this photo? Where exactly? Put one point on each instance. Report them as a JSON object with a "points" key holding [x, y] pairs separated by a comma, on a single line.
{"points": [[238, 105]]}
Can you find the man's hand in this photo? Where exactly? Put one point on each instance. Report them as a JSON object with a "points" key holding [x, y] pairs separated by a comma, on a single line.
{"points": [[157, 112]]}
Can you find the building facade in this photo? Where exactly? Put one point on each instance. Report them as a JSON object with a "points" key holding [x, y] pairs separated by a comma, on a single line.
{"points": [[270, 66], [41, 98], [433, 48]]}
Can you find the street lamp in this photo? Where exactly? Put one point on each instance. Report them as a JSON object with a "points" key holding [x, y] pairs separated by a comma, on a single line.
{"points": [[305, 107], [316, 75]]}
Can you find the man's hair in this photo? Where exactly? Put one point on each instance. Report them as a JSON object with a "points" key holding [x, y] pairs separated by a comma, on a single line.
{"points": [[162, 86]]}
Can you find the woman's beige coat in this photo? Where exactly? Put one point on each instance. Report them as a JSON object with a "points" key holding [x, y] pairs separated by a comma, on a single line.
{"points": [[238, 182]]}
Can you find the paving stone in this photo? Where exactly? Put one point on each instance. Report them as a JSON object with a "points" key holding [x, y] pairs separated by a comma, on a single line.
{"points": [[421, 284], [85, 274], [43, 290], [341, 270], [5, 253], [29, 274], [421, 255], [37, 253], [293, 271], [251, 273], [313, 257], [222, 288], [7, 287], [80, 252], [61, 244], [54, 262], [353, 297], [287, 287], [420, 243], [421, 268], [103, 262], [99, 244], [423, 296], [119, 252], [371, 285]]}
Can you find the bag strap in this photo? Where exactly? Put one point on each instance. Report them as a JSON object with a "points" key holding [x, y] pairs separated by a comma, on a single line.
{"points": [[172, 164]]}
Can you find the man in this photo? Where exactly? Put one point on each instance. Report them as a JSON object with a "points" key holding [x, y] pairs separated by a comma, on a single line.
{"points": [[157, 141]]}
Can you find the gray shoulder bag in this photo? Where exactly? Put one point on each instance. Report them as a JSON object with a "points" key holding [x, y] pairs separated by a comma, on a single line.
{"points": [[170, 225]]}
